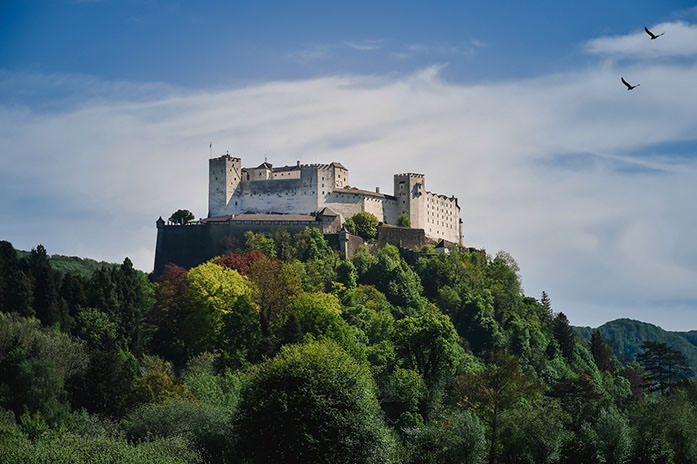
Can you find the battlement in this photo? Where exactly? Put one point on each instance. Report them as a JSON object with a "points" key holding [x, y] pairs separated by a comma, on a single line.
{"points": [[226, 157], [410, 174]]}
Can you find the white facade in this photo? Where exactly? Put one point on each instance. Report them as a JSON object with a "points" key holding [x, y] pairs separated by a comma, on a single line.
{"points": [[307, 188]]}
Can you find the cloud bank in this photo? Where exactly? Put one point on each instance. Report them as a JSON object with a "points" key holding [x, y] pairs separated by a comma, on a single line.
{"points": [[680, 40], [575, 177]]}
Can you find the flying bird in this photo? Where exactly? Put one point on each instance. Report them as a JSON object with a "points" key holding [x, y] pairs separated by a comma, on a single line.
{"points": [[653, 36], [629, 86]]}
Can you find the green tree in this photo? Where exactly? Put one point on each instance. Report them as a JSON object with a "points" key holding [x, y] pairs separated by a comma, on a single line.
{"points": [[319, 317], [207, 427], [666, 367], [613, 437], [498, 388], [532, 435], [392, 275], [240, 334], [181, 216], [430, 345], [564, 335], [158, 383], [212, 292], [346, 274], [363, 224], [403, 221], [276, 282], [259, 241], [45, 285], [169, 316], [32, 385], [15, 286], [546, 301], [312, 403], [602, 353], [455, 438]]}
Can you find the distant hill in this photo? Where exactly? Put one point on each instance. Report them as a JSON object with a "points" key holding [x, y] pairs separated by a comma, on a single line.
{"points": [[625, 336], [84, 267], [690, 336]]}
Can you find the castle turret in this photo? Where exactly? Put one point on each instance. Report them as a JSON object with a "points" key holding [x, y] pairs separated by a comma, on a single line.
{"points": [[224, 175], [409, 190]]}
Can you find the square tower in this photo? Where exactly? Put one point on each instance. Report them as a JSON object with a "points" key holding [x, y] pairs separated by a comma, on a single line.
{"points": [[224, 175], [409, 192]]}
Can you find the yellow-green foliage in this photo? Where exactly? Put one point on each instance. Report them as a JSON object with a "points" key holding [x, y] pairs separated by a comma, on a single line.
{"points": [[158, 383], [212, 292], [216, 287]]}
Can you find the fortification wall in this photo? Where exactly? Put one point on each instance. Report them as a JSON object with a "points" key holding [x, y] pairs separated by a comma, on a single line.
{"points": [[346, 243], [190, 245], [346, 204], [402, 237]]}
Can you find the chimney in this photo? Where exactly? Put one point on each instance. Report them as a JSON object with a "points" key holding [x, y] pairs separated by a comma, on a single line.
{"points": [[298, 163], [377, 189]]}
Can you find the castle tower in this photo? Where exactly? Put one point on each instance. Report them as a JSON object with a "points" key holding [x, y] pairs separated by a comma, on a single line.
{"points": [[224, 175], [409, 192]]}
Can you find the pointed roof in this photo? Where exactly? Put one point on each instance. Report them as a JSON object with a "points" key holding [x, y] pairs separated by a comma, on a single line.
{"points": [[326, 211], [337, 165], [441, 244], [264, 165]]}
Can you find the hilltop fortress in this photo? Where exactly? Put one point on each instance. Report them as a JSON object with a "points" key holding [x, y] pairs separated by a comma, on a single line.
{"points": [[266, 198], [310, 188]]}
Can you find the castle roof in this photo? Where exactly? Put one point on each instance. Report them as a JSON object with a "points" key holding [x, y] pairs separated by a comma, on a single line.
{"points": [[263, 217], [286, 168], [337, 165], [265, 165], [327, 211], [363, 192]]}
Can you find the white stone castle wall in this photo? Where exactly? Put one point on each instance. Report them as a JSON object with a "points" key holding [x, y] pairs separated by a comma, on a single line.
{"points": [[311, 187], [442, 220]]}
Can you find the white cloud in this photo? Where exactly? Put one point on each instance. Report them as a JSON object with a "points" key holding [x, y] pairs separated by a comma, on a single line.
{"points": [[544, 168], [680, 40], [364, 45]]}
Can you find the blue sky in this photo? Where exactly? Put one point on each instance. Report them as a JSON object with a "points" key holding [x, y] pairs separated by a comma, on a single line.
{"points": [[107, 109]]}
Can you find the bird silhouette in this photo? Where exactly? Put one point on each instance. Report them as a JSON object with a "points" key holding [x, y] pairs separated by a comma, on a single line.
{"points": [[653, 36], [629, 86]]}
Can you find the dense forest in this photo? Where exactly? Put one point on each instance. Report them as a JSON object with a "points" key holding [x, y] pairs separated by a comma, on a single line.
{"points": [[284, 352]]}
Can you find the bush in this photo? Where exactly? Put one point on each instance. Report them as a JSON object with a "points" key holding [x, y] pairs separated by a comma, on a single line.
{"points": [[206, 426], [312, 403], [69, 448]]}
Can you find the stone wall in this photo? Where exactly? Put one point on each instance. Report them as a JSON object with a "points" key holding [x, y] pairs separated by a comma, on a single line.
{"points": [[190, 245], [403, 237]]}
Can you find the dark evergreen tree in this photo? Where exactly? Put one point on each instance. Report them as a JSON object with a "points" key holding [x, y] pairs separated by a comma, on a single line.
{"points": [[602, 354], [132, 307], [546, 301], [666, 367], [45, 285], [18, 295], [564, 335]]}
